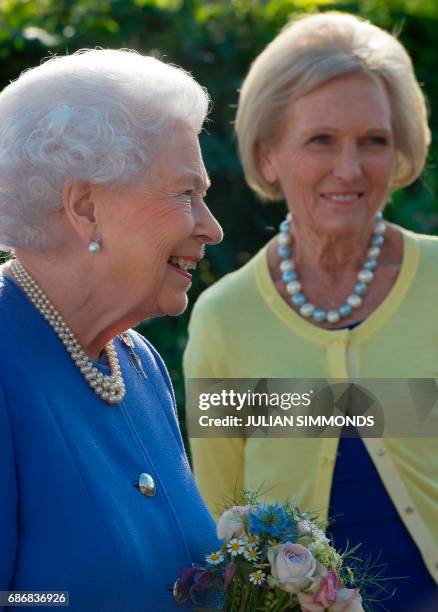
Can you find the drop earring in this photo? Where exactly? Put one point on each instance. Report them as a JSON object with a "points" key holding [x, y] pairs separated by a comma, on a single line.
{"points": [[94, 246]]}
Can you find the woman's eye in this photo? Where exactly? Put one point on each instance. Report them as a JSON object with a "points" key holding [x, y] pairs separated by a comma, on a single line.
{"points": [[320, 139], [377, 140], [192, 195]]}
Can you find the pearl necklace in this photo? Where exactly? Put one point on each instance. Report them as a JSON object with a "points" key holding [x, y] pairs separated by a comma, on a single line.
{"points": [[293, 285], [110, 388]]}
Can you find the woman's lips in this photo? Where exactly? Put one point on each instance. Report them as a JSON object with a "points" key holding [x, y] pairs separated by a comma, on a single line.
{"points": [[342, 197], [180, 271], [184, 263]]}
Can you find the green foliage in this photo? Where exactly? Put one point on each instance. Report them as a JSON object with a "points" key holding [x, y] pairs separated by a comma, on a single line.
{"points": [[216, 41]]}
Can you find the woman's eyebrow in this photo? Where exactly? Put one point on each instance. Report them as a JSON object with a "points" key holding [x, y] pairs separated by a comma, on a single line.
{"points": [[334, 130], [199, 181]]}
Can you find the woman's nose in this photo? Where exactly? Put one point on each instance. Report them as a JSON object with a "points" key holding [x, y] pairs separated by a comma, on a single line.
{"points": [[207, 227], [348, 165]]}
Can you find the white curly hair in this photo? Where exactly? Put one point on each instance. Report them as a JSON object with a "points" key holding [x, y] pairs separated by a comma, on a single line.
{"points": [[96, 116]]}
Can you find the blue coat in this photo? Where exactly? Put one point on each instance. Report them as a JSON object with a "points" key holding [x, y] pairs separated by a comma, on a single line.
{"points": [[71, 518]]}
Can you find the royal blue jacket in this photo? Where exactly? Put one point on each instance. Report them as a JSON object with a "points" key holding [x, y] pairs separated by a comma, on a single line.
{"points": [[71, 518]]}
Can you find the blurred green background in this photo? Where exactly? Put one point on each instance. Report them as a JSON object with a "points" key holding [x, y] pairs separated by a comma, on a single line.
{"points": [[216, 41]]}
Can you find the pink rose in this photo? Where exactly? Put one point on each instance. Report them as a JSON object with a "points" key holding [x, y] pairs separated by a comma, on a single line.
{"points": [[347, 600], [293, 566], [324, 597]]}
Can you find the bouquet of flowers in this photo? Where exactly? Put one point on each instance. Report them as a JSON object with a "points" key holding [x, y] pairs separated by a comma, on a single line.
{"points": [[274, 558]]}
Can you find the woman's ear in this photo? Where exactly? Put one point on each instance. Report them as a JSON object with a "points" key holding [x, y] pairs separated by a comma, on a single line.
{"points": [[80, 209], [266, 162]]}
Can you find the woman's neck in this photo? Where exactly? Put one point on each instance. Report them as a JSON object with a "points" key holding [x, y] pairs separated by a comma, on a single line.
{"points": [[333, 255], [84, 303]]}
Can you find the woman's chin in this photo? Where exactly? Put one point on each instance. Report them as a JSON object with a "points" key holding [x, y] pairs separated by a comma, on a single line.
{"points": [[344, 229], [344, 222], [174, 307], [340, 217]]}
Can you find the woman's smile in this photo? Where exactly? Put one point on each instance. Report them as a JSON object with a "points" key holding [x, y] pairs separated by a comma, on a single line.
{"points": [[182, 264], [344, 198]]}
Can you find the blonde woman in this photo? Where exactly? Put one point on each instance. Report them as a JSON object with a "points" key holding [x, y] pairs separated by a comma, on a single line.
{"points": [[332, 120]]}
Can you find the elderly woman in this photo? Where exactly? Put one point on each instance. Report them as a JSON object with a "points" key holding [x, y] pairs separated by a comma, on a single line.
{"points": [[332, 119], [101, 200]]}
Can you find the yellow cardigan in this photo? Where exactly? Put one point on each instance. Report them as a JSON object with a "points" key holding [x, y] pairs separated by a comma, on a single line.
{"points": [[242, 328]]}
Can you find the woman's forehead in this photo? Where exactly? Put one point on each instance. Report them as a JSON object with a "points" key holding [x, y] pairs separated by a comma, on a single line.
{"points": [[351, 99]]}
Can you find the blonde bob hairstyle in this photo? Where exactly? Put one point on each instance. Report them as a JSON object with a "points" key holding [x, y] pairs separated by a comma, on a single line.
{"points": [[310, 51]]}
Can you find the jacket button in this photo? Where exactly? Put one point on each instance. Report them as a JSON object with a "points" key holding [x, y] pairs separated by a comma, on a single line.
{"points": [[146, 484], [180, 591]]}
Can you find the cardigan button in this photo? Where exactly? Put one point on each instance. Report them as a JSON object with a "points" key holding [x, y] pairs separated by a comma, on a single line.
{"points": [[380, 451], [146, 484], [326, 460], [409, 510]]}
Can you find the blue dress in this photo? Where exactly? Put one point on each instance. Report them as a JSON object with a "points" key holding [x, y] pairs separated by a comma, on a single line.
{"points": [[71, 518], [364, 513]]}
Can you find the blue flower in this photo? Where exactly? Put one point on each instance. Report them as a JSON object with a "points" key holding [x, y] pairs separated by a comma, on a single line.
{"points": [[273, 521]]}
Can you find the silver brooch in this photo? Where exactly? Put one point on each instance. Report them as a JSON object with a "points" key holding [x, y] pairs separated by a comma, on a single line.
{"points": [[132, 355]]}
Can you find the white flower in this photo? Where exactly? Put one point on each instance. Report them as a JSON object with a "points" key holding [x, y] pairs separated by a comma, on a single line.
{"points": [[230, 524], [257, 577], [250, 553], [214, 558], [293, 566], [235, 547], [306, 527], [253, 540]]}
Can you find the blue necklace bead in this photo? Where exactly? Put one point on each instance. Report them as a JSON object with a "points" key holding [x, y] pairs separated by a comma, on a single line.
{"points": [[289, 275], [298, 299], [361, 288], [319, 315], [370, 264], [377, 240], [284, 251], [345, 310]]}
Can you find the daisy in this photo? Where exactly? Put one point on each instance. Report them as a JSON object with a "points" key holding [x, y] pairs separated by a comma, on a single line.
{"points": [[257, 577], [235, 547], [214, 558], [250, 554], [253, 539]]}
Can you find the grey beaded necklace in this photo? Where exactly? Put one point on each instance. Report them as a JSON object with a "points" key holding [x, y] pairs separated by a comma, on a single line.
{"points": [[294, 287], [110, 388]]}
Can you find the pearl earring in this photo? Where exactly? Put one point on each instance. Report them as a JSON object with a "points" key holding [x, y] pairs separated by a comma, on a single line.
{"points": [[94, 246]]}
